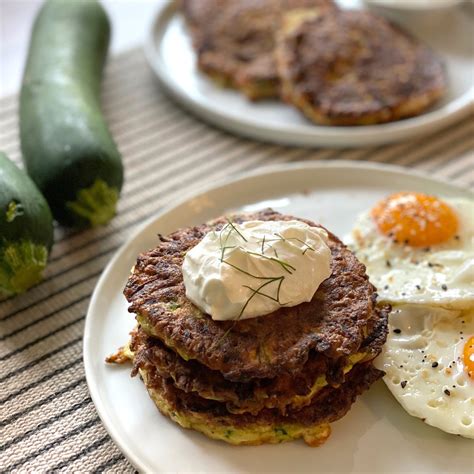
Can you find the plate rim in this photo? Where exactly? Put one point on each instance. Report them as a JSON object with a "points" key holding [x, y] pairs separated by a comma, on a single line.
{"points": [[314, 136], [424, 7], [201, 190]]}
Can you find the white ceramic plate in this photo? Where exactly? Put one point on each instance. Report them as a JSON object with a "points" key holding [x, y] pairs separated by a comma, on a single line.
{"points": [[416, 4], [376, 435], [170, 54]]}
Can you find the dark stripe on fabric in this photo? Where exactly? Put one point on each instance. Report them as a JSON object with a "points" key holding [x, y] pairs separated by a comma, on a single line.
{"points": [[55, 443], [42, 402], [155, 195], [41, 359], [113, 109], [51, 295], [396, 152], [134, 132], [42, 338], [466, 154], [80, 264], [44, 317], [170, 143], [46, 423], [89, 449], [108, 464], [464, 169], [45, 378], [443, 149]]}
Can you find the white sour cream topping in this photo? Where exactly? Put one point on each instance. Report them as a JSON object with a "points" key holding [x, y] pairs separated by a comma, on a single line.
{"points": [[252, 269]]}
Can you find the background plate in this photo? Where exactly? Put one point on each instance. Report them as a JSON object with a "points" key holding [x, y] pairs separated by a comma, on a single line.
{"points": [[376, 435], [169, 52]]}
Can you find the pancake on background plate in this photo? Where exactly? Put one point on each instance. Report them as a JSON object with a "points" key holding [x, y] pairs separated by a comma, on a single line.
{"points": [[348, 67], [280, 376], [234, 40]]}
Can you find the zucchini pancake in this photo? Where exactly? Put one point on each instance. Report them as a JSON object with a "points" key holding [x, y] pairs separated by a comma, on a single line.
{"points": [[347, 67], [249, 379], [234, 40]]}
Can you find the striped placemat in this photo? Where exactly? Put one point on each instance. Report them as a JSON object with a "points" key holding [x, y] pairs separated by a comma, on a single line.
{"points": [[47, 419]]}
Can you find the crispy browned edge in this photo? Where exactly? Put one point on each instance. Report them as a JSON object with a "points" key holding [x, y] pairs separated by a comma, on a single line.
{"points": [[329, 404], [282, 391]]}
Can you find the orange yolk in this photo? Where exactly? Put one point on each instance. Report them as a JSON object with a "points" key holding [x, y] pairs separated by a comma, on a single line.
{"points": [[415, 219], [468, 357]]}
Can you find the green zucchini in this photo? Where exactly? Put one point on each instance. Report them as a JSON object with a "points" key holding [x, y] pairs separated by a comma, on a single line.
{"points": [[26, 230], [67, 147]]}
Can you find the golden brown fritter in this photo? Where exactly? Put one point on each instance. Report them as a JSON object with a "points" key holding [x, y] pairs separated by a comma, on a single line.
{"points": [[335, 323], [344, 67], [234, 40], [212, 418], [281, 392]]}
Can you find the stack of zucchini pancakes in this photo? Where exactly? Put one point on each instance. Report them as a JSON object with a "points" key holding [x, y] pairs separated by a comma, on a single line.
{"points": [[268, 379]]}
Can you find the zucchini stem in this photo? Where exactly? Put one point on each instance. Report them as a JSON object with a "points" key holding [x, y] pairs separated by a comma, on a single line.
{"points": [[14, 210], [21, 266], [96, 204]]}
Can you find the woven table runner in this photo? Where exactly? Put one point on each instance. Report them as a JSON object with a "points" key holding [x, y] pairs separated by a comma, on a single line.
{"points": [[48, 421]]}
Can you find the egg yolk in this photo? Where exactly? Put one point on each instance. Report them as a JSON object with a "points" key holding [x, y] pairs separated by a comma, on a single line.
{"points": [[468, 357], [415, 219]]}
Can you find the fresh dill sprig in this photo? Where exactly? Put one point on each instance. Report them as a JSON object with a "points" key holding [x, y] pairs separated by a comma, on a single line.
{"points": [[258, 292], [235, 267], [273, 298], [284, 239], [223, 245], [229, 222], [285, 265], [255, 292]]}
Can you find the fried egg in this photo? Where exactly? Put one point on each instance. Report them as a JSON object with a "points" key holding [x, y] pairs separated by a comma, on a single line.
{"points": [[429, 365], [418, 249]]}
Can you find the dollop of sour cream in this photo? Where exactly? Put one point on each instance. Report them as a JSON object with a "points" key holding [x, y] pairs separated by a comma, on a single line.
{"points": [[247, 270]]}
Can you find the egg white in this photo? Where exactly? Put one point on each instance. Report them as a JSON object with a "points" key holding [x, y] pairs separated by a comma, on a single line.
{"points": [[441, 275], [423, 361]]}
